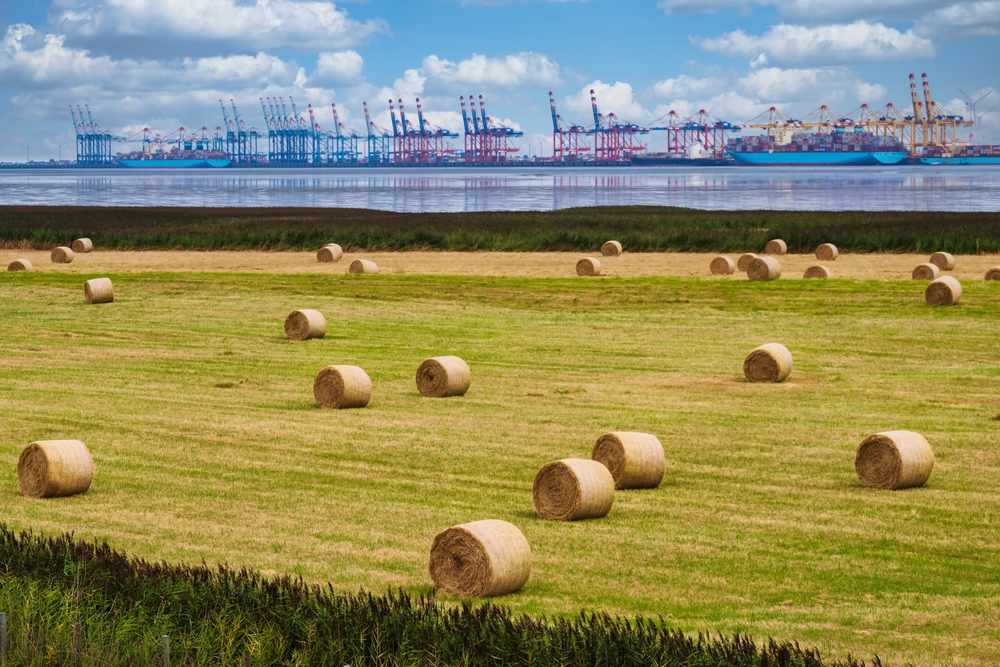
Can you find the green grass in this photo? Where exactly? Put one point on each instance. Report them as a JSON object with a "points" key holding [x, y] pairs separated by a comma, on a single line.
{"points": [[208, 445], [639, 228]]}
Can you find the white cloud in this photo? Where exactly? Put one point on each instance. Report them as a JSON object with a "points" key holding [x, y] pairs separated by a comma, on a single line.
{"points": [[687, 86], [965, 19], [617, 98], [513, 71], [831, 44], [340, 68], [773, 85], [812, 10]]}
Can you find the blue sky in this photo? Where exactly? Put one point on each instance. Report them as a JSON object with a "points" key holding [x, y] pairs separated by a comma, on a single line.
{"points": [[166, 63]]}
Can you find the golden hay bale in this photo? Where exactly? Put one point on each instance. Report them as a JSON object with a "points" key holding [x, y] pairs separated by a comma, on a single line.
{"points": [[83, 246], [611, 249], [331, 252], [926, 272], [53, 468], [764, 268], [305, 324], [768, 363], [341, 387], [776, 247], [635, 460], [943, 260], [62, 255], [945, 291], [894, 460], [588, 266], [573, 489], [817, 271], [992, 274], [481, 558], [722, 266], [25, 265], [744, 261], [360, 266], [98, 290], [443, 376], [827, 252]]}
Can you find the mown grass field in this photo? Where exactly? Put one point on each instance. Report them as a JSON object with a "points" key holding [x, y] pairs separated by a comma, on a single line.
{"points": [[208, 444]]}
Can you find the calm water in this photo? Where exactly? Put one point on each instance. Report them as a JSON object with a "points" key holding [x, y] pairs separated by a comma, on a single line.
{"points": [[462, 189]]}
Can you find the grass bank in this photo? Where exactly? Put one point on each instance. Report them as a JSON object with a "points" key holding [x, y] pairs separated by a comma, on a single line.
{"points": [[639, 228]]}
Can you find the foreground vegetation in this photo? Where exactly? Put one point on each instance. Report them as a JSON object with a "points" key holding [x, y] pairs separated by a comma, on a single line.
{"points": [[639, 228], [208, 445]]}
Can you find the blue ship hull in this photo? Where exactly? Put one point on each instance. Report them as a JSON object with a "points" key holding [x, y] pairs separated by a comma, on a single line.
{"points": [[197, 164], [818, 158], [974, 159]]}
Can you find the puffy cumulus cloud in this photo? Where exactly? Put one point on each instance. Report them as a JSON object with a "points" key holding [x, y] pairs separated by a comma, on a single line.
{"points": [[856, 42], [811, 10], [775, 86], [158, 27], [965, 19], [687, 86], [617, 98], [339, 68], [513, 71]]}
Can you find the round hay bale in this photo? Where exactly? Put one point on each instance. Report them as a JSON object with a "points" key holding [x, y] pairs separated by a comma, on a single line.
{"points": [[54, 468], [945, 291], [83, 246], [25, 265], [722, 266], [305, 324], [827, 252], [926, 272], [744, 261], [573, 489], [588, 266], [764, 268], [992, 274], [776, 247], [768, 363], [817, 271], [340, 387], [443, 376], [894, 460], [943, 260], [635, 460], [331, 252], [360, 266], [98, 290], [62, 255], [611, 249], [481, 558]]}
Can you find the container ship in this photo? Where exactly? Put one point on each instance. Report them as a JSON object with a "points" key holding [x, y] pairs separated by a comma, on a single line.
{"points": [[174, 158], [788, 147], [971, 155]]}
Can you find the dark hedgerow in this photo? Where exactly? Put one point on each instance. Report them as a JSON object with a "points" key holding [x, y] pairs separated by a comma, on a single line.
{"points": [[639, 228], [220, 616]]}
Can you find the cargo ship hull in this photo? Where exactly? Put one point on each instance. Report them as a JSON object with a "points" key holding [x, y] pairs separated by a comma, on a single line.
{"points": [[818, 158], [970, 160], [174, 164]]}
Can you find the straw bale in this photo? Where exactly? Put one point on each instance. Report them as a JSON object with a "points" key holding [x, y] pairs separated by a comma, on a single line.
{"points": [[443, 376], [588, 266], [768, 363], [764, 268], [363, 266], [305, 324], [54, 468], [331, 252], [62, 255], [722, 266], [635, 460], [744, 261], [83, 246], [611, 249], [943, 260], [992, 274], [817, 271], [894, 460], [573, 489], [481, 558], [926, 272], [98, 290], [340, 387], [945, 291], [827, 252], [776, 247], [25, 265]]}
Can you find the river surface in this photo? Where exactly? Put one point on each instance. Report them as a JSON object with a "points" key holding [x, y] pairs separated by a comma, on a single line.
{"points": [[906, 188]]}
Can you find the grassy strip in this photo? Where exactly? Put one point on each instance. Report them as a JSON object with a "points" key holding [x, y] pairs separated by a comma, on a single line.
{"points": [[639, 228], [213, 616]]}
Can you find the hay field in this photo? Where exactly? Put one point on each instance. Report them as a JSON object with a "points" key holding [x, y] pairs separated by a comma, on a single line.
{"points": [[200, 418]]}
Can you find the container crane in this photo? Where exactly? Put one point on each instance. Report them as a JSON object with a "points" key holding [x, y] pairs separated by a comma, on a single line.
{"points": [[566, 146], [379, 141]]}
